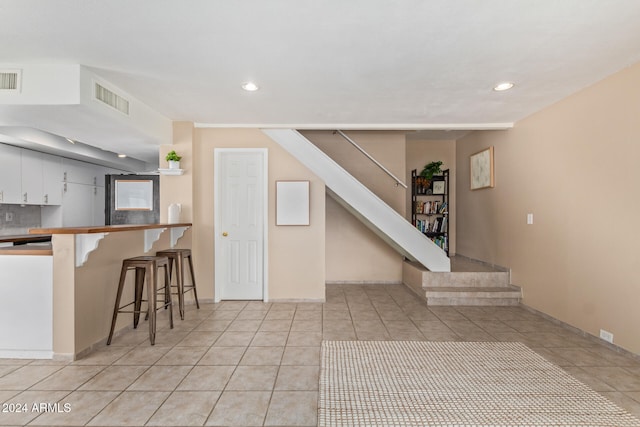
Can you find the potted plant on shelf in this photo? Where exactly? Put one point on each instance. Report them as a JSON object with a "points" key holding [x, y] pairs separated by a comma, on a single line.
{"points": [[173, 159], [427, 174], [430, 170]]}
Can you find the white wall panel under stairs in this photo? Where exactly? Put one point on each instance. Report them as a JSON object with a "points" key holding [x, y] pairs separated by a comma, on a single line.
{"points": [[388, 224]]}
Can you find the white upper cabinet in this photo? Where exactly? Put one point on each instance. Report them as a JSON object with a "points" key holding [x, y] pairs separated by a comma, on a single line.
{"points": [[10, 185], [31, 178], [52, 177], [83, 173]]}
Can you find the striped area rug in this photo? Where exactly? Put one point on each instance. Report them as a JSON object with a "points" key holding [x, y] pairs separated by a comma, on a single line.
{"points": [[415, 383]]}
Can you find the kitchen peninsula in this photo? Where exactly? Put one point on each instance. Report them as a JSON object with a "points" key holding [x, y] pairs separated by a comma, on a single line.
{"points": [[58, 301]]}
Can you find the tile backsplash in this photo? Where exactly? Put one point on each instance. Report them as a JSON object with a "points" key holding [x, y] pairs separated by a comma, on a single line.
{"points": [[16, 219]]}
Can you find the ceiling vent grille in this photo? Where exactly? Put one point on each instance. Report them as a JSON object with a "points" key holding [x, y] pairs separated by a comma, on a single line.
{"points": [[111, 98], [10, 80]]}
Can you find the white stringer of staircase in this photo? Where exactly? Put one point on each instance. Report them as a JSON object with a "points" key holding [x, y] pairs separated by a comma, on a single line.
{"points": [[388, 224]]}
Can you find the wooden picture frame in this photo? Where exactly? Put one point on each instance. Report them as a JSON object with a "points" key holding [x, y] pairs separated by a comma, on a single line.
{"points": [[292, 203], [438, 187], [133, 195], [481, 169]]}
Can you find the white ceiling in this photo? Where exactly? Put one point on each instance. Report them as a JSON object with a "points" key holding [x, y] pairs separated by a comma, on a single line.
{"points": [[403, 64]]}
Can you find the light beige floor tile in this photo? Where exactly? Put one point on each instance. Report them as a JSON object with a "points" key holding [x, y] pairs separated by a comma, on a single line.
{"points": [[26, 376], [143, 356], [253, 378], [225, 314], [284, 314], [339, 335], [298, 378], [252, 314], [223, 356], [207, 378], [104, 356], [115, 378], [77, 409], [8, 394], [130, 408], [616, 377], [270, 339], [579, 356], [234, 339], [131, 337], [185, 408], [262, 356], [276, 325], [167, 338], [309, 356], [244, 325], [588, 379], [240, 408], [308, 315], [68, 378], [200, 339], [293, 408], [307, 326], [160, 378], [183, 356], [304, 339], [213, 325], [26, 406], [5, 369]]}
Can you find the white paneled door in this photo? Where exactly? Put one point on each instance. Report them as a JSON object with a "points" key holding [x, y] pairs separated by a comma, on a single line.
{"points": [[240, 221]]}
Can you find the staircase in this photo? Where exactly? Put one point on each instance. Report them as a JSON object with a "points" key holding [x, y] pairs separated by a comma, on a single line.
{"points": [[469, 283], [383, 220]]}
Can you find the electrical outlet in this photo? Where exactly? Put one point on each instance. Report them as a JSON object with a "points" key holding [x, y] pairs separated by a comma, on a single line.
{"points": [[8, 217], [529, 218], [607, 336]]}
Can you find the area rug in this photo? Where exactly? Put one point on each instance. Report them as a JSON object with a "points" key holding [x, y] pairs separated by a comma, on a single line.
{"points": [[414, 383]]}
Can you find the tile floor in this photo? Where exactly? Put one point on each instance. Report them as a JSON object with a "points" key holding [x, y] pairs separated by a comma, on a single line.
{"points": [[253, 364]]}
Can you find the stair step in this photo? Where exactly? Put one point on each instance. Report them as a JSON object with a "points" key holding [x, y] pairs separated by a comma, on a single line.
{"points": [[456, 295], [466, 279]]}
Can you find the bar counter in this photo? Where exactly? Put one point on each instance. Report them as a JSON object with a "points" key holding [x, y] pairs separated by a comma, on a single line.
{"points": [[59, 304]]}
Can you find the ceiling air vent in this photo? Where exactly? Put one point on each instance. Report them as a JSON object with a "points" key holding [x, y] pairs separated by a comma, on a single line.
{"points": [[112, 99], [10, 80]]}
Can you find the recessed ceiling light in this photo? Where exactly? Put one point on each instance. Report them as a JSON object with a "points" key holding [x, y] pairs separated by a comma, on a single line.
{"points": [[503, 86], [250, 86], [70, 140], [122, 156]]}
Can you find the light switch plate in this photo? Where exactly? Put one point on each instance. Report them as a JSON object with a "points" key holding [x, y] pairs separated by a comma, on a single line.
{"points": [[529, 218]]}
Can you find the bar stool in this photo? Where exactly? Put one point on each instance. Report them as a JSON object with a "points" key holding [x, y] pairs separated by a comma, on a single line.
{"points": [[145, 267], [178, 256]]}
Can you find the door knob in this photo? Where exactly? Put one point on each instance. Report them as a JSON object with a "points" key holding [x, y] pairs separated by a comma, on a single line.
{"points": [[225, 234]]}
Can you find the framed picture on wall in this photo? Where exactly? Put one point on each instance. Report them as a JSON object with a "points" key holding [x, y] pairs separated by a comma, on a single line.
{"points": [[481, 169], [292, 202], [438, 187]]}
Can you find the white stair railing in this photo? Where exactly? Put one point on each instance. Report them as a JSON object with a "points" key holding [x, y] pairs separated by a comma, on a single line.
{"points": [[392, 227]]}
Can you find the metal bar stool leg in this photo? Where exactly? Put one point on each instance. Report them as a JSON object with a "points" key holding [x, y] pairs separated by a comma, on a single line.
{"points": [[151, 297], [116, 308], [193, 281], [139, 285]]}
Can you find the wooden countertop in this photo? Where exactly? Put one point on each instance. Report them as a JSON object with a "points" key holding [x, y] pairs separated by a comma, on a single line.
{"points": [[27, 250], [25, 238], [104, 228]]}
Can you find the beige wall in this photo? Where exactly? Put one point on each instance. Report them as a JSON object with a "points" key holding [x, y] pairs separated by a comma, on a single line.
{"points": [[423, 152], [572, 165], [296, 257], [353, 252]]}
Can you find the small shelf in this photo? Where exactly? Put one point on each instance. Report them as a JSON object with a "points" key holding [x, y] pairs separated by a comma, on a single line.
{"points": [[171, 171], [429, 212]]}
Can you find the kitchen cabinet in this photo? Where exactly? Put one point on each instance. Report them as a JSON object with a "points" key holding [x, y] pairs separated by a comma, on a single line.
{"points": [[52, 177], [10, 186], [82, 205], [31, 178]]}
